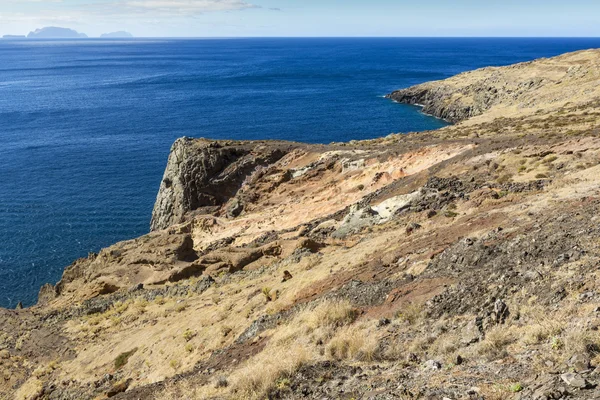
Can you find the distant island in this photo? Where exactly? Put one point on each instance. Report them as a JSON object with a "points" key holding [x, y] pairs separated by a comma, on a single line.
{"points": [[53, 32], [119, 34], [14, 37]]}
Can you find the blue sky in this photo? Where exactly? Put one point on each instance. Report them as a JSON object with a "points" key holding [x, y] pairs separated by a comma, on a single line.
{"points": [[187, 18]]}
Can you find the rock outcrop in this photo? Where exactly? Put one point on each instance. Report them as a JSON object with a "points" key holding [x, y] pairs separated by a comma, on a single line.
{"points": [[526, 88], [208, 173]]}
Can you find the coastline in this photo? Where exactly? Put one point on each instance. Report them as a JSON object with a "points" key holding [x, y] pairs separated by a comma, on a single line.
{"points": [[420, 261]]}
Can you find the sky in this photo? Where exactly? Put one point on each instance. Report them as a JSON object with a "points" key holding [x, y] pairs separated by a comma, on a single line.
{"points": [[239, 18]]}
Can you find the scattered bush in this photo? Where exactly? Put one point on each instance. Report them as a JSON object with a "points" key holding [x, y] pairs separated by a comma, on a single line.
{"points": [[450, 214], [123, 358], [174, 364], [188, 335], [516, 388], [266, 291]]}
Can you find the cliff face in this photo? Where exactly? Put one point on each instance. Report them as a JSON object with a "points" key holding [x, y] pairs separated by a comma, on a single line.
{"points": [[461, 263], [539, 86], [205, 173]]}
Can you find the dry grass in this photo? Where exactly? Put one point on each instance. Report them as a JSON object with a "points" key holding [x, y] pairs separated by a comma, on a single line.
{"points": [[354, 343], [294, 344], [185, 391], [261, 374], [541, 331], [495, 343], [410, 313], [32, 389]]}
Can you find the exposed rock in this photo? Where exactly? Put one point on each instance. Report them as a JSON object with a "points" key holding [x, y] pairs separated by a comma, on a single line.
{"points": [[235, 208], [580, 362], [432, 365], [500, 312], [208, 173], [286, 276], [490, 89], [574, 380]]}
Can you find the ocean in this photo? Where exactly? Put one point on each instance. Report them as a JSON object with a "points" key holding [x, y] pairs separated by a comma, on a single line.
{"points": [[86, 125]]}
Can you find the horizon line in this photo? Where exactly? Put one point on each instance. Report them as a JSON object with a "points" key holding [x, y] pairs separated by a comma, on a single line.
{"points": [[16, 36]]}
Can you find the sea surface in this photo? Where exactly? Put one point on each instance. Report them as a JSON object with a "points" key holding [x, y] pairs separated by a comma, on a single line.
{"points": [[86, 125]]}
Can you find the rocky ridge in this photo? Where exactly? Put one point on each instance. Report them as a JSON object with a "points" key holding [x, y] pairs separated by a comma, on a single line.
{"points": [[455, 264]]}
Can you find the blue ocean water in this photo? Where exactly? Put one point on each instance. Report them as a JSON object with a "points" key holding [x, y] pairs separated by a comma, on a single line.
{"points": [[86, 126]]}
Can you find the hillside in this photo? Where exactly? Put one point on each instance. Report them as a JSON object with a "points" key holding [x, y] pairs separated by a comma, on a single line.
{"points": [[454, 264]]}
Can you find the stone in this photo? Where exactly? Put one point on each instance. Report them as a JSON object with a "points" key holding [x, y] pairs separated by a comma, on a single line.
{"points": [[412, 358], [432, 365], [235, 208], [309, 244], [579, 362], [574, 380], [472, 332], [412, 227], [221, 382], [118, 388], [286, 276], [501, 312], [136, 288], [4, 354]]}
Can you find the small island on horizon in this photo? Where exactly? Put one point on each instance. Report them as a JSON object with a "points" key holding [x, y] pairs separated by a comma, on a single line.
{"points": [[53, 32], [116, 35]]}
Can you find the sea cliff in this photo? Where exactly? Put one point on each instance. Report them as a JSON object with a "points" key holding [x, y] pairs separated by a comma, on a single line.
{"points": [[460, 263]]}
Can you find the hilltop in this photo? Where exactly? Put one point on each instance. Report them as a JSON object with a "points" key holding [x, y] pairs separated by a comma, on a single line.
{"points": [[461, 263]]}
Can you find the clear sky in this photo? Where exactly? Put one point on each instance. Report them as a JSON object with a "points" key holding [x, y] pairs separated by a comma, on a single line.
{"points": [[201, 18]]}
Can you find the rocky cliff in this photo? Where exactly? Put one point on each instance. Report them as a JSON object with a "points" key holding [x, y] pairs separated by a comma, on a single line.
{"points": [[540, 86], [204, 174], [461, 263]]}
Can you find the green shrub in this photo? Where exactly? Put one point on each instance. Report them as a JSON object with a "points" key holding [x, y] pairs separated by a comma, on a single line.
{"points": [[123, 358]]}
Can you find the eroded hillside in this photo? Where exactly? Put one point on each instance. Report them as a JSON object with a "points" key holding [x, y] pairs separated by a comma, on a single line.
{"points": [[455, 264]]}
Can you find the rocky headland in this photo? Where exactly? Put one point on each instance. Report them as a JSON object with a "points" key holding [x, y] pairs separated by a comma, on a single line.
{"points": [[461, 263]]}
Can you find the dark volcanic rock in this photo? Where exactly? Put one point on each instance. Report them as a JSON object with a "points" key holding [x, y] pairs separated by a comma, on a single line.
{"points": [[208, 173]]}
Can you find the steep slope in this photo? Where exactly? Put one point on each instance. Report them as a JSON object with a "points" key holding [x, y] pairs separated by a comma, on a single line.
{"points": [[460, 263]]}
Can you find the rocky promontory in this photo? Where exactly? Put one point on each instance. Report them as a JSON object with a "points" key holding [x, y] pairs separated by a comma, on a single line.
{"points": [[207, 173], [543, 85], [461, 263]]}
